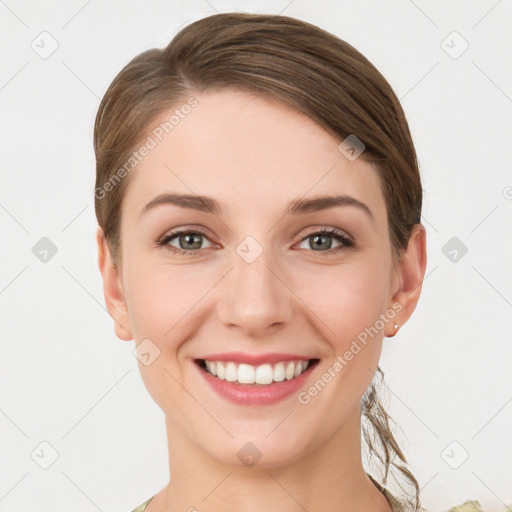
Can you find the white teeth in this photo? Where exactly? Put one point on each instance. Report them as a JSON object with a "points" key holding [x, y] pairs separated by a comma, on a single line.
{"points": [[279, 372], [221, 370], [290, 371], [246, 374], [231, 372], [264, 374]]}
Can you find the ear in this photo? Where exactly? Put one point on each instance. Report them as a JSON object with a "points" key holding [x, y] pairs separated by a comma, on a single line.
{"points": [[410, 272], [112, 289]]}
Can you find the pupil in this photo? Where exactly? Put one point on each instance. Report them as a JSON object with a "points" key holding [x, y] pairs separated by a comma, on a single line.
{"points": [[189, 240], [318, 243]]}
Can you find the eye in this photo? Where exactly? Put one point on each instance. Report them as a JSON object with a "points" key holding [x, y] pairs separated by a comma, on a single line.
{"points": [[322, 239], [187, 241]]}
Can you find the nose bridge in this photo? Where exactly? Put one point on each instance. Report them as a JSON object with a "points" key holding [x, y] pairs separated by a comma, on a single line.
{"points": [[254, 298]]}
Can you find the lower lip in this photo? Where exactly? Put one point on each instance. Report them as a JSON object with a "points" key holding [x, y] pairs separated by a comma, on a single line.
{"points": [[254, 394]]}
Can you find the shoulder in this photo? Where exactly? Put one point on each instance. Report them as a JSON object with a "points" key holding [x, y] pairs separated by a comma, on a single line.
{"points": [[396, 506], [142, 507], [467, 506]]}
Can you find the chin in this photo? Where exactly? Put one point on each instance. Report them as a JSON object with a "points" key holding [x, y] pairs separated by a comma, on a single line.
{"points": [[258, 451]]}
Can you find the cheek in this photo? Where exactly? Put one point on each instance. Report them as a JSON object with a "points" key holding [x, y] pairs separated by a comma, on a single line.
{"points": [[156, 299], [347, 299], [348, 303], [165, 307], [165, 298]]}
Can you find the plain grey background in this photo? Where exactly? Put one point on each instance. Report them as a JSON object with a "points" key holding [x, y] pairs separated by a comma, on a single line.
{"points": [[78, 429]]}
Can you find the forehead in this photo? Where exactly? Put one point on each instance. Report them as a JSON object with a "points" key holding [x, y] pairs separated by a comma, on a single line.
{"points": [[245, 150]]}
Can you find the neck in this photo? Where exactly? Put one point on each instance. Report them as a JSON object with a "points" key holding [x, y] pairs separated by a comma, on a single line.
{"points": [[329, 477]]}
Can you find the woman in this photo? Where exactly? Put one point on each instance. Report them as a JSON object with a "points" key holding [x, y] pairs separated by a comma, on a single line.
{"points": [[259, 203]]}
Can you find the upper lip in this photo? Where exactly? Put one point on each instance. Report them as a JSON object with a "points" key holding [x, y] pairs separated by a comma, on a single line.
{"points": [[255, 359]]}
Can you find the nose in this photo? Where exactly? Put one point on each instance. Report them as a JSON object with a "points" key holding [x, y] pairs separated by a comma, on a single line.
{"points": [[255, 297]]}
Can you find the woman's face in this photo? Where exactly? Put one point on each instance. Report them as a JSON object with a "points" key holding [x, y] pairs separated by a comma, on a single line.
{"points": [[253, 277]]}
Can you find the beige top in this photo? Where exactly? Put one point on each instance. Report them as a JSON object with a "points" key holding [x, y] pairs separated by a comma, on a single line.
{"points": [[395, 505], [467, 506]]}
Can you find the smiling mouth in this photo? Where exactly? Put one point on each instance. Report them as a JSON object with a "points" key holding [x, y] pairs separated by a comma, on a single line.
{"points": [[261, 375]]}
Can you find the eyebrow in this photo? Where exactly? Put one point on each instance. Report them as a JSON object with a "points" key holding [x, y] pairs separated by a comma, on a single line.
{"points": [[297, 207]]}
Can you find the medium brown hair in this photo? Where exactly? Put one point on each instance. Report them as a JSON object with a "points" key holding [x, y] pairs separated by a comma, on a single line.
{"points": [[282, 58]]}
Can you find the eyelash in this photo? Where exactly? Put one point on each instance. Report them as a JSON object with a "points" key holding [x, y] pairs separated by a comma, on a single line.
{"points": [[337, 234]]}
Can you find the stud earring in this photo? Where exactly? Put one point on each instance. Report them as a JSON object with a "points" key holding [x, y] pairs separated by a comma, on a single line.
{"points": [[395, 330]]}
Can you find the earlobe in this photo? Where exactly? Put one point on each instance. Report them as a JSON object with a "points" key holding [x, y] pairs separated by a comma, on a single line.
{"points": [[411, 272], [112, 291]]}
